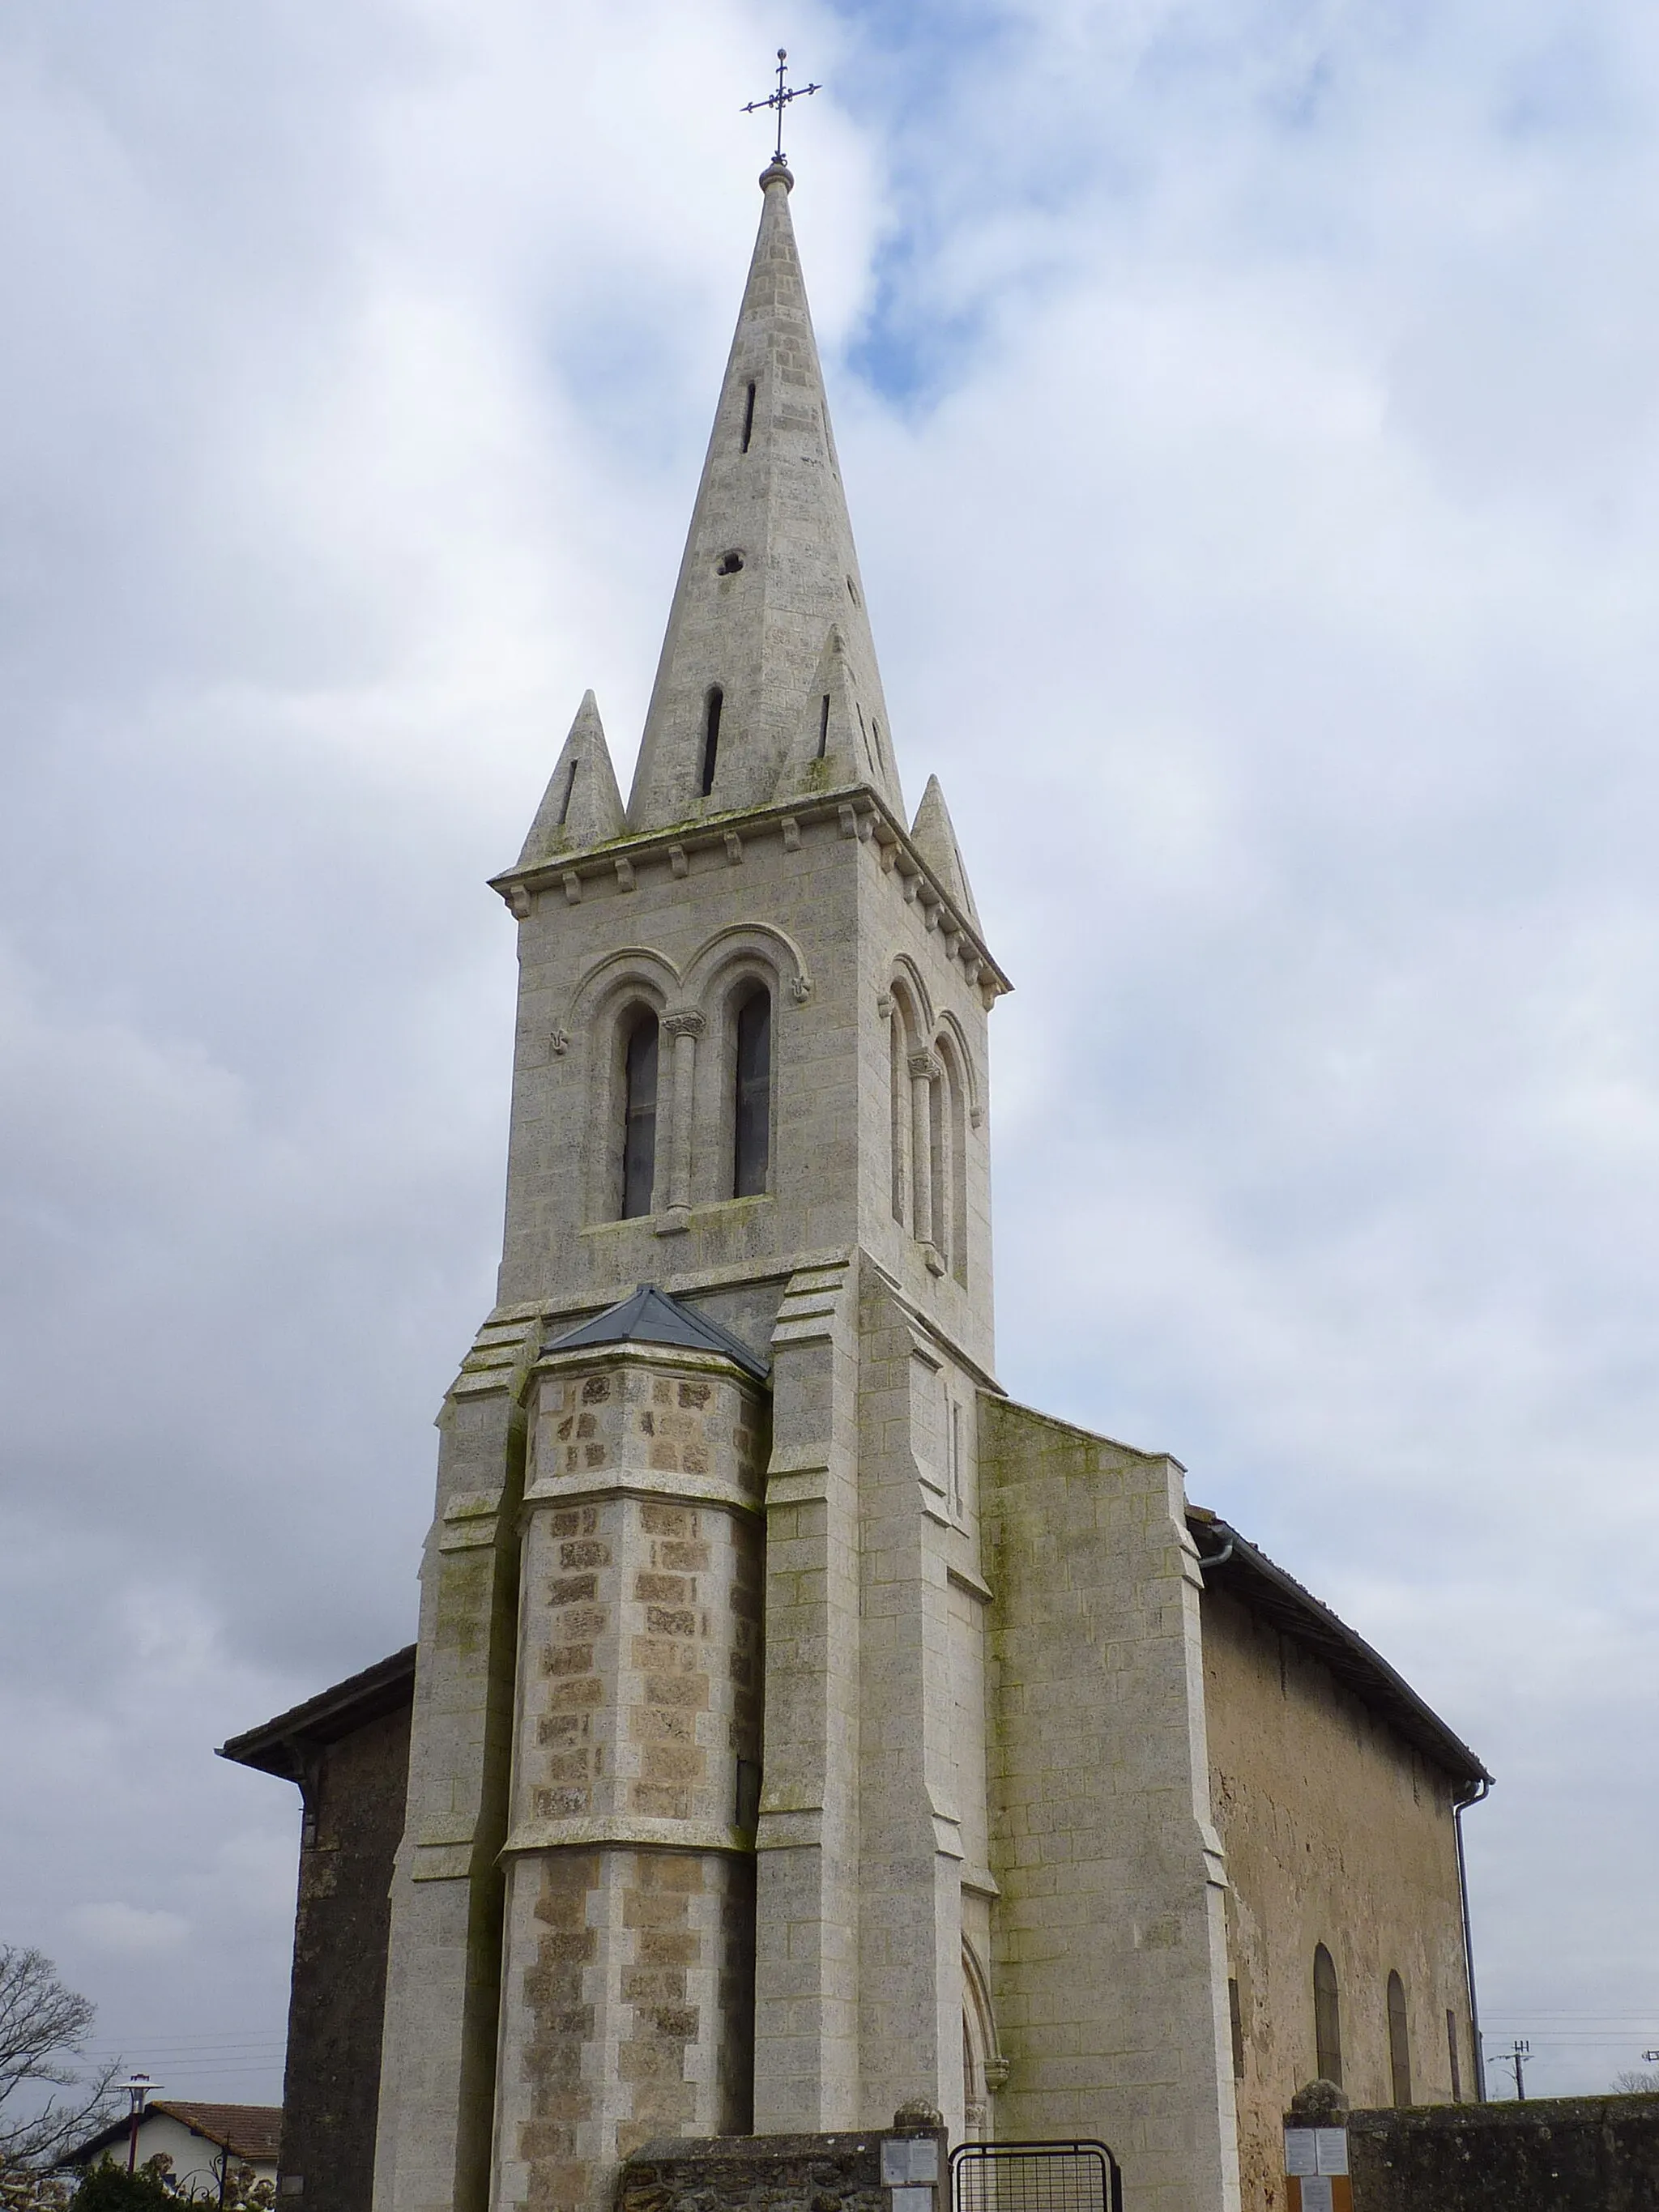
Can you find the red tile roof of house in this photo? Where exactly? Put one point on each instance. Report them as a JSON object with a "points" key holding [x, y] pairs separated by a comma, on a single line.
{"points": [[252, 2131]]}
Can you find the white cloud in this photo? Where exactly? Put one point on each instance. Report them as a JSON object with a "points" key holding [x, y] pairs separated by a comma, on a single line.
{"points": [[127, 1929]]}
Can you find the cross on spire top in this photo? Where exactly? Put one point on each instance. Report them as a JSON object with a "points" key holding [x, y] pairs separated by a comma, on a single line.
{"points": [[780, 99]]}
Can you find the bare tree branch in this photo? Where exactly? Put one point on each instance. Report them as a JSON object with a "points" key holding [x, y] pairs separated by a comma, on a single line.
{"points": [[43, 2037]]}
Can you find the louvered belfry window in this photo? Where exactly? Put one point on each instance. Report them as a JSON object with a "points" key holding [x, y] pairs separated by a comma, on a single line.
{"points": [[639, 1116], [752, 1141]]}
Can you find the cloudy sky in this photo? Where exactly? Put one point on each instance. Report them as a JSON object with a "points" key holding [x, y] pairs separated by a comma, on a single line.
{"points": [[1248, 412]]}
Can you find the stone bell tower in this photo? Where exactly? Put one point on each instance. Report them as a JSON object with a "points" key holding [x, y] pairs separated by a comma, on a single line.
{"points": [[697, 1832]]}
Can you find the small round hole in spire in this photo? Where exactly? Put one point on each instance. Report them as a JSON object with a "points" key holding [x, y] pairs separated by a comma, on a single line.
{"points": [[728, 564]]}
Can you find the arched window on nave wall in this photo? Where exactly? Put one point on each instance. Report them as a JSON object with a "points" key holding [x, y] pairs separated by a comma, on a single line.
{"points": [[1328, 2018], [1400, 2046]]}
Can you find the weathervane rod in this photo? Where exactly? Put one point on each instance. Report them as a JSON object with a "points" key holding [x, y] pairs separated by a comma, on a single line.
{"points": [[781, 100]]}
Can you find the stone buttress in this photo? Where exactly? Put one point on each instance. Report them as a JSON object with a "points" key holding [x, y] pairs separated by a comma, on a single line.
{"points": [[629, 1909]]}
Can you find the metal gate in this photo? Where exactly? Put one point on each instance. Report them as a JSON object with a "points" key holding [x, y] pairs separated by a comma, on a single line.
{"points": [[1034, 2176]]}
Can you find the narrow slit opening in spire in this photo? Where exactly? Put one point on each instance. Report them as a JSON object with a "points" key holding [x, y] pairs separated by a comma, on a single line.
{"points": [[569, 793], [748, 417], [824, 725], [865, 734], [711, 738]]}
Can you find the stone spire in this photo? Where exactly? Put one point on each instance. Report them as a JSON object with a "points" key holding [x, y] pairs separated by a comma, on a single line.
{"points": [[768, 617], [935, 839], [581, 805]]}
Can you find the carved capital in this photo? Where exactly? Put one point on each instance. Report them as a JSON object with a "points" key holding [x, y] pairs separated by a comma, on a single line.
{"points": [[685, 1021], [925, 1066]]}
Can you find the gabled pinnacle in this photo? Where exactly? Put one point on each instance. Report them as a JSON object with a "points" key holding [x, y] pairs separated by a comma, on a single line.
{"points": [[770, 572], [581, 805], [936, 841], [831, 746]]}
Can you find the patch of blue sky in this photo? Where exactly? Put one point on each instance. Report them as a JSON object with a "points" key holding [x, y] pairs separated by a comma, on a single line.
{"points": [[928, 75], [913, 362], [1563, 90], [624, 371]]}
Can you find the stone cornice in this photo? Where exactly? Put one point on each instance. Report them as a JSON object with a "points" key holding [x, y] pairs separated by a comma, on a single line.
{"points": [[587, 1833], [679, 1489], [637, 1351], [857, 810]]}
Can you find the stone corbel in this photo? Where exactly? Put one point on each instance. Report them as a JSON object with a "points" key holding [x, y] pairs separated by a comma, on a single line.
{"points": [[521, 900], [573, 887]]}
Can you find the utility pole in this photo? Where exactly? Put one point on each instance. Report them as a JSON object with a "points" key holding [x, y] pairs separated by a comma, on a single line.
{"points": [[1517, 2056]]}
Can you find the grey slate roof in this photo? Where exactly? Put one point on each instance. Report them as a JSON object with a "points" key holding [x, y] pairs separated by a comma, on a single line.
{"points": [[649, 1315]]}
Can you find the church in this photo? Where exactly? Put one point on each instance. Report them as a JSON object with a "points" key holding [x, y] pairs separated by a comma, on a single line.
{"points": [[797, 1726]]}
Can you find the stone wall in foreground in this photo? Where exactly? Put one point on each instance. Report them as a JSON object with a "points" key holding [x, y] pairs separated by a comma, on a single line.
{"points": [[781, 2173], [1550, 2155]]}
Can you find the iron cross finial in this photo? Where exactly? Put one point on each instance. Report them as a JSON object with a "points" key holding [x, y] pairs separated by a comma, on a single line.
{"points": [[781, 100]]}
